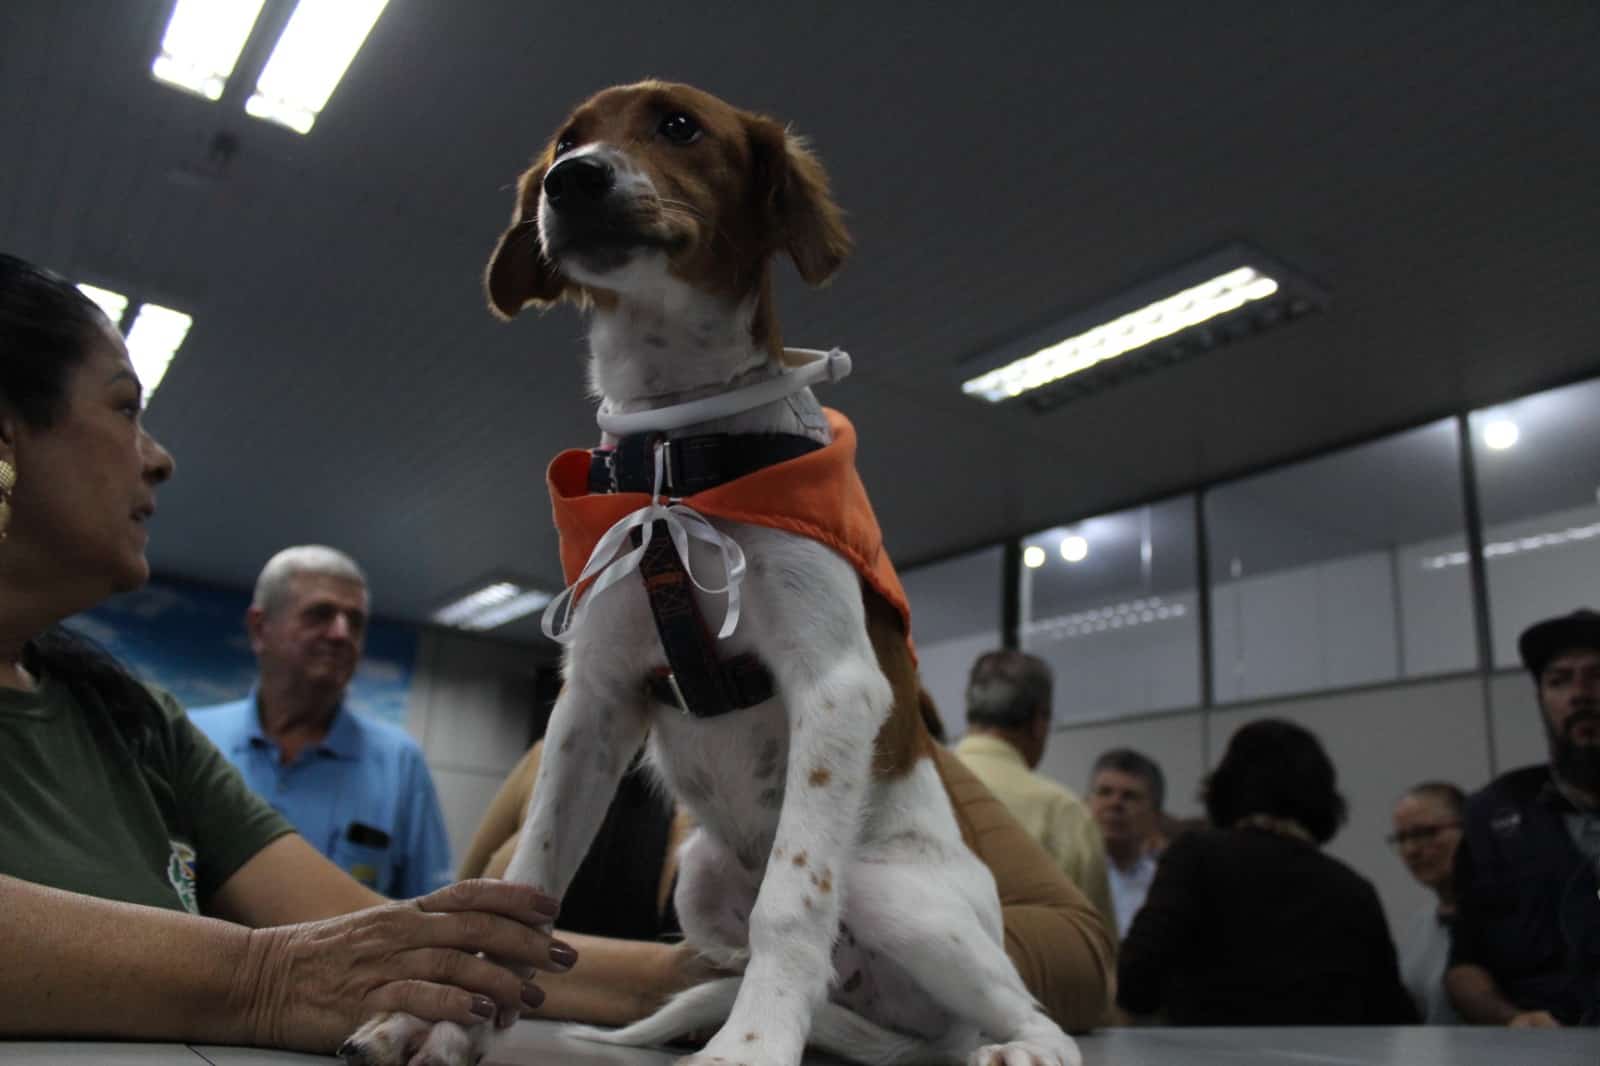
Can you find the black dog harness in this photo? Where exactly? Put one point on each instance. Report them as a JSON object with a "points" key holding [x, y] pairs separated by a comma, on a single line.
{"points": [[695, 680]]}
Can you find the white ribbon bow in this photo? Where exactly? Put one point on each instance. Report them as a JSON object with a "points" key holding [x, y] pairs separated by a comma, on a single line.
{"points": [[561, 620]]}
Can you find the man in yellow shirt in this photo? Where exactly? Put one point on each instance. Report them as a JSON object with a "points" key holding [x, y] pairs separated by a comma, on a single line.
{"points": [[1008, 725]]}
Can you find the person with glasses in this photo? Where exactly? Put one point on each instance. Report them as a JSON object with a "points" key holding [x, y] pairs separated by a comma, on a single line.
{"points": [[1427, 828]]}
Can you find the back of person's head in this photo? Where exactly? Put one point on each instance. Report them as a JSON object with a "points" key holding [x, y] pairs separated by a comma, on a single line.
{"points": [[273, 584], [1006, 689], [1135, 764], [1278, 769], [1447, 795], [46, 325]]}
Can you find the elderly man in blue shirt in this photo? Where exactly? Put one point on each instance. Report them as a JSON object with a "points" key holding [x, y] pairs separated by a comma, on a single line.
{"points": [[357, 789]]}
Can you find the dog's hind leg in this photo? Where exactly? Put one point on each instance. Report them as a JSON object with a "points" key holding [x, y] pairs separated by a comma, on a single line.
{"points": [[939, 921], [837, 700]]}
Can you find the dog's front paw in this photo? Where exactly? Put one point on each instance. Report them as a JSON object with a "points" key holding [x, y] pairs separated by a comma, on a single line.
{"points": [[1027, 1053], [401, 1039]]}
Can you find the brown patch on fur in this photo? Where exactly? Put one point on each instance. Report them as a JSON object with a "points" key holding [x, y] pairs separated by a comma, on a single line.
{"points": [[819, 777], [904, 737], [799, 858], [748, 1037], [824, 883]]}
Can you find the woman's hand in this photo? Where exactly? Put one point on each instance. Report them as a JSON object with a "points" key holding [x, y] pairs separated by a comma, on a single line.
{"points": [[308, 986]]}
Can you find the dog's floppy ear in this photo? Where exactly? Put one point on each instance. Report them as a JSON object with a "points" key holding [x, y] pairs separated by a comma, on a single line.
{"points": [[518, 273], [806, 222]]}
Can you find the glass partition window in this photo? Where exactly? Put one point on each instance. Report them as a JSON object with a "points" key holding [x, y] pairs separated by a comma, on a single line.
{"points": [[1326, 574], [955, 617], [1111, 604], [1538, 465]]}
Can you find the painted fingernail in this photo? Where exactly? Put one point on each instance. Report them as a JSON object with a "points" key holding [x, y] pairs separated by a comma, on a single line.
{"points": [[532, 995], [483, 1007], [563, 954]]}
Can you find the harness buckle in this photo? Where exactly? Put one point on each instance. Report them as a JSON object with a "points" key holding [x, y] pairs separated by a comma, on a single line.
{"points": [[669, 480], [677, 694]]}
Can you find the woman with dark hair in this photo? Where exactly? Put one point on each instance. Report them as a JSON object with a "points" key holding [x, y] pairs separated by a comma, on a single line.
{"points": [[147, 893], [1249, 922]]}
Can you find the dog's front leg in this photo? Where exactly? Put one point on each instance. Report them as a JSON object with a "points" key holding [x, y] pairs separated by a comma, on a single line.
{"points": [[836, 701], [595, 729]]}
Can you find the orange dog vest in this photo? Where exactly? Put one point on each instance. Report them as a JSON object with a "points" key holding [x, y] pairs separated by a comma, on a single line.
{"points": [[818, 495]]}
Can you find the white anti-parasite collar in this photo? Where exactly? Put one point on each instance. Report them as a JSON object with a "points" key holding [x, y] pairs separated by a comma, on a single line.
{"points": [[805, 367]]}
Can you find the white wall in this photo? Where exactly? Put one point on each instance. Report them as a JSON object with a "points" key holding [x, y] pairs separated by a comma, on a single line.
{"points": [[472, 707], [1527, 584], [944, 666], [1519, 738], [1152, 665], [1357, 620]]}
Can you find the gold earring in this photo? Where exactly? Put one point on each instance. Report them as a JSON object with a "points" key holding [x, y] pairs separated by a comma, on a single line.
{"points": [[8, 481]]}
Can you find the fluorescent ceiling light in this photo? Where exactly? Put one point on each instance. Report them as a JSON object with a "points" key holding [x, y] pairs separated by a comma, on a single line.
{"points": [[153, 340], [492, 605], [202, 43], [1033, 557], [1501, 434], [1189, 307], [514, 608], [112, 303], [305, 66], [1074, 549]]}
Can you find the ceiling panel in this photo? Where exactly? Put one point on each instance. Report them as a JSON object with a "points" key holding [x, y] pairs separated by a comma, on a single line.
{"points": [[1431, 164]]}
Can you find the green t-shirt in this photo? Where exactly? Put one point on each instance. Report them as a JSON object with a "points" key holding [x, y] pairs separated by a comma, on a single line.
{"points": [[157, 816]]}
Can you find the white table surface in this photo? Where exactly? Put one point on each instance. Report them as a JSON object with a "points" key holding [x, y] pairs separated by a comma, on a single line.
{"points": [[541, 1044]]}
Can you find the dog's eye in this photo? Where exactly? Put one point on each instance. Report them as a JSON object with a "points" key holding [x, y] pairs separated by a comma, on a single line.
{"points": [[567, 143], [680, 128]]}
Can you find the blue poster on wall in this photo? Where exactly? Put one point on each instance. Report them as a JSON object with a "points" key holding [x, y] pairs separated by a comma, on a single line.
{"points": [[190, 639]]}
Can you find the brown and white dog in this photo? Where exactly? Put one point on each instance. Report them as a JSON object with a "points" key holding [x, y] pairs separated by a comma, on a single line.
{"points": [[828, 864]]}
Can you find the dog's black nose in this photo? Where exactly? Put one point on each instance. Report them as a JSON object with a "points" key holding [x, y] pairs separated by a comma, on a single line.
{"points": [[578, 182]]}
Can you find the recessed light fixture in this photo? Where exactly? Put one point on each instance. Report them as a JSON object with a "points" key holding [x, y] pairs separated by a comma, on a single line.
{"points": [[314, 51], [153, 340], [112, 303], [1500, 434], [203, 42], [1203, 305], [1033, 557], [1074, 549], [491, 605]]}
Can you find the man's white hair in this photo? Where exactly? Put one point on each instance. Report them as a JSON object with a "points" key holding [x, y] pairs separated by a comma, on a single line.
{"points": [[272, 587]]}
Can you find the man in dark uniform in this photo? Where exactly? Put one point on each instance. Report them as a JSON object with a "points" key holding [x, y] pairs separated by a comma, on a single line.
{"points": [[1526, 944]]}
